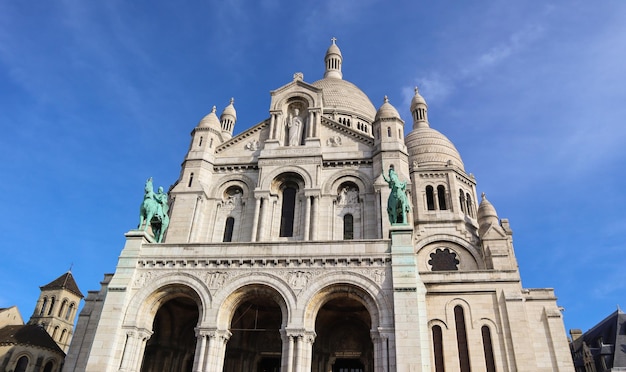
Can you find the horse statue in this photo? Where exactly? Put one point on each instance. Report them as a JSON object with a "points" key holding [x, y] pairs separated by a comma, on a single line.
{"points": [[154, 211], [398, 206]]}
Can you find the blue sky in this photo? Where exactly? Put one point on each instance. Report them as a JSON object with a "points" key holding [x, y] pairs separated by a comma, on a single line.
{"points": [[95, 97]]}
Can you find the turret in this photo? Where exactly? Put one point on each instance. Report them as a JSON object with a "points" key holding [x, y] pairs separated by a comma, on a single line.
{"points": [[228, 119], [57, 308], [205, 136], [496, 238], [419, 111], [388, 128]]}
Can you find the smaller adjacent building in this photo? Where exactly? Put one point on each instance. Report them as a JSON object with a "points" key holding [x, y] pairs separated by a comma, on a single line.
{"points": [[41, 344], [603, 347]]}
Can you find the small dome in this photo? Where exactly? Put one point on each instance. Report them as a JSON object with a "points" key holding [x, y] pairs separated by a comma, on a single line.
{"points": [[487, 215], [387, 111], [210, 120], [428, 147], [230, 109], [333, 48], [343, 96]]}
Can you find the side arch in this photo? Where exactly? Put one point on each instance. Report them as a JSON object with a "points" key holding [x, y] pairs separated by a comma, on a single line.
{"points": [[352, 285], [145, 303]]}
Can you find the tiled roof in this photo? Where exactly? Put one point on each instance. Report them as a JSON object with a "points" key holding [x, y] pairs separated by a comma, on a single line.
{"points": [[30, 334], [65, 281]]}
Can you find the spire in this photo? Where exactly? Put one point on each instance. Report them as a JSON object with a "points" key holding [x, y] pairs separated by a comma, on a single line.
{"points": [[333, 60], [419, 111]]}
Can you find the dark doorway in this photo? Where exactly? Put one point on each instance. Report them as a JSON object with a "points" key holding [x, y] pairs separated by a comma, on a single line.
{"points": [[269, 365], [255, 344], [348, 365], [171, 348]]}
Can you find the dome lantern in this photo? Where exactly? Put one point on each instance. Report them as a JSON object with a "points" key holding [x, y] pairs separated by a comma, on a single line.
{"points": [[419, 111], [333, 60]]}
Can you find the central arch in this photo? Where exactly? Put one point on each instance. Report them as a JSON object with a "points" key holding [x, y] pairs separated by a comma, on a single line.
{"points": [[256, 319], [343, 324]]}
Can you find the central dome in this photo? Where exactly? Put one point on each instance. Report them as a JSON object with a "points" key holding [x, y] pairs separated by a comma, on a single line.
{"points": [[345, 97]]}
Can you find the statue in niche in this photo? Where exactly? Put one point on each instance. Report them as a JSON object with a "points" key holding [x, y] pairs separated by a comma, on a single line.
{"points": [[348, 195], [154, 211], [398, 203], [294, 128]]}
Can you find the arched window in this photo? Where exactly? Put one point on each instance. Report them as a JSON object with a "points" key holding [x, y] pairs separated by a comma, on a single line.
{"points": [[70, 310], [22, 364], [228, 229], [54, 332], [200, 141], [468, 201], [43, 306], [441, 197], [190, 179], [51, 306], [48, 367], [288, 211], [62, 308], [438, 348], [490, 364], [461, 339], [462, 200], [211, 143], [430, 198], [388, 131], [62, 338], [348, 227]]}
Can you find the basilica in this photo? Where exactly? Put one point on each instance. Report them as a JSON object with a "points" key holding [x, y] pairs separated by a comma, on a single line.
{"points": [[321, 238]]}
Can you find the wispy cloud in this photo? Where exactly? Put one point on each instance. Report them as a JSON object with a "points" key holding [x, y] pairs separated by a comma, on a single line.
{"points": [[438, 85]]}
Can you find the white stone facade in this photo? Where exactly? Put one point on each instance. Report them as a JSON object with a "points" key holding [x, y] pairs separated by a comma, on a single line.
{"points": [[280, 255]]}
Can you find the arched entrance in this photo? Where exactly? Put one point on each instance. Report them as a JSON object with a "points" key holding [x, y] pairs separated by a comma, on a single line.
{"points": [[255, 344], [171, 347], [343, 342]]}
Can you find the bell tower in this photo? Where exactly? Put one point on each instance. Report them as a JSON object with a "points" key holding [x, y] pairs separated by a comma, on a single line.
{"points": [[56, 309]]}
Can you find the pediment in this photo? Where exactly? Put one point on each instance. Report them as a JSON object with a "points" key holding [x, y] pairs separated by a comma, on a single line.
{"points": [[246, 144], [335, 134]]}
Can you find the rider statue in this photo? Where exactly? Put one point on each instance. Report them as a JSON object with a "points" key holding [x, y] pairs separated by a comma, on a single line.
{"points": [[398, 203], [154, 211]]}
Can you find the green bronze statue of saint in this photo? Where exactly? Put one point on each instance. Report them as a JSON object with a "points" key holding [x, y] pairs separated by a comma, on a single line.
{"points": [[398, 204], [154, 211]]}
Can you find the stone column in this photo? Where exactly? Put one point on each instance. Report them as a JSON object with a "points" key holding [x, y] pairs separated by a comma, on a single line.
{"points": [[216, 350], [286, 363], [307, 216], [382, 357], [307, 350], [314, 219], [133, 351], [201, 349], [255, 220]]}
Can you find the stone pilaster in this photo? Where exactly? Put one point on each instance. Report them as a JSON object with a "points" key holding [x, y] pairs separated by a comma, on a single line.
{"points": [[409, 299]]}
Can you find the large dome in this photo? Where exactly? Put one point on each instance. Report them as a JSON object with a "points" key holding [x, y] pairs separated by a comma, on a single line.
{"points": [[427, 147], [345, 97]]}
